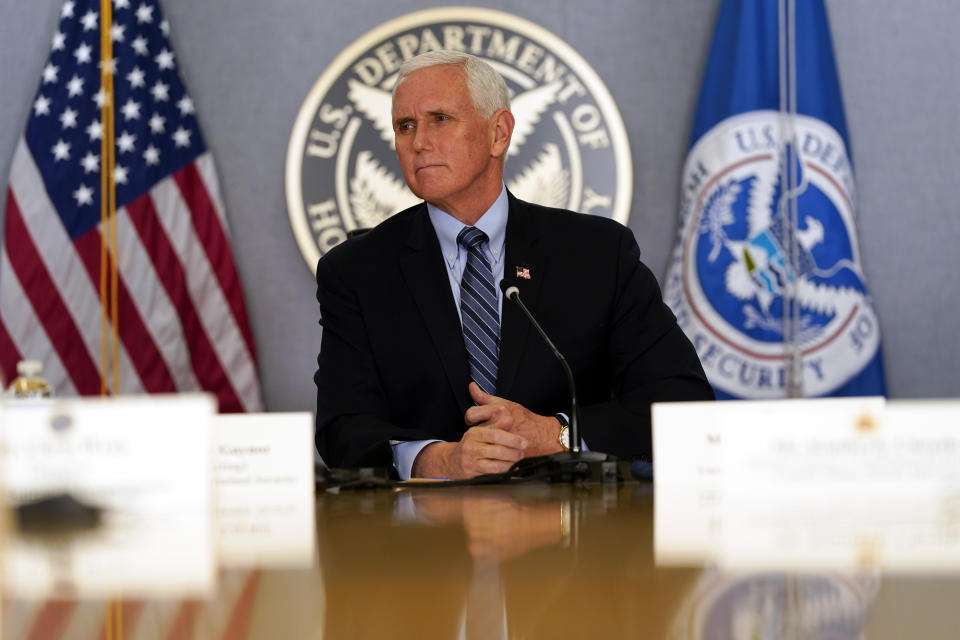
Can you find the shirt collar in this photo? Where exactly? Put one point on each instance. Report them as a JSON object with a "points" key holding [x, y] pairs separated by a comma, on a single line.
{"points": [[493, 223]]}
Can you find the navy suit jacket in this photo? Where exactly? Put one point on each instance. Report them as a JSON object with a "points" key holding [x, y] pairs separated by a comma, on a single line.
{"points": [[392, 363]]}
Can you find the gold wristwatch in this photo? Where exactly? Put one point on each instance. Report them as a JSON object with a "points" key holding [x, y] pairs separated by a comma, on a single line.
{"points": [[564, 437]]}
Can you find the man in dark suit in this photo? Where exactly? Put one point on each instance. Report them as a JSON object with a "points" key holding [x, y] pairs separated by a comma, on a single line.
{"points": [[423, 365]]}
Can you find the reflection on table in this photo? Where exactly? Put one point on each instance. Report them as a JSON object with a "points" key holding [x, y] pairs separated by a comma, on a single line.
{"points": [[523, 561], [568, 561]]}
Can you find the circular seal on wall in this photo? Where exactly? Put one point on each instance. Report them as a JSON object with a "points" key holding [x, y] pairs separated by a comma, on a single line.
{"points": [[569, 147], [740, 261]]}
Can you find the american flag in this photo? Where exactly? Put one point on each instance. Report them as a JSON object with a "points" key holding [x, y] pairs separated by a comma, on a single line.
{"points": [[182, 320]]}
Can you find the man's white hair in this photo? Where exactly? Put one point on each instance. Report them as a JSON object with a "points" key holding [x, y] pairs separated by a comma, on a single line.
{"points": [[487, 89]]}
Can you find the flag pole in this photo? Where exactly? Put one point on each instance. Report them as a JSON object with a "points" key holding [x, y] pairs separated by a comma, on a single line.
{"points": [[109, 350], [108, 252], [788, 165]]}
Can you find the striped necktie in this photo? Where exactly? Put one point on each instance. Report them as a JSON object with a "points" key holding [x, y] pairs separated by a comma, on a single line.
{"points": [[478, 311]]}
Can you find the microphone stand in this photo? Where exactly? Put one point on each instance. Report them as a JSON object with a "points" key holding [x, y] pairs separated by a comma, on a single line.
{"points": [[573, 465]]}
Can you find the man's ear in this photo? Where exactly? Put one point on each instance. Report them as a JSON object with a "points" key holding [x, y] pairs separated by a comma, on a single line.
{"points": [[501, 130]]}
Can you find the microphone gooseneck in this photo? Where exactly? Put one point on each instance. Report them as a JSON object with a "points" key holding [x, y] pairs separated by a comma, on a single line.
{"points": [[512, 292]]}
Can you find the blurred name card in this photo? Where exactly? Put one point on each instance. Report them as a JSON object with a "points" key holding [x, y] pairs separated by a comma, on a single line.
{"points": [[264, 476], [142, 464], [869, 532], [840, 447], [851, 483]]}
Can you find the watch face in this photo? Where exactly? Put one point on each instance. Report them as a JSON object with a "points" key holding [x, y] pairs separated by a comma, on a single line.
{"points": [[565, 437]]}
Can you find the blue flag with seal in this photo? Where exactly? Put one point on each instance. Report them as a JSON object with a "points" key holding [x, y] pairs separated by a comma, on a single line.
{"points": [[766, 278]]}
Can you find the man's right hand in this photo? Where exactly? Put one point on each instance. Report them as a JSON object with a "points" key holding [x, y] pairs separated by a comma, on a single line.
{"points": [[481, 450]]}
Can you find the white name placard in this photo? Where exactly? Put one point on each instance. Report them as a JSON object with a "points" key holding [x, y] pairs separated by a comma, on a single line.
{"points": [[145, 461], [265, 489], [693, 443], [881, 494], [688, 465], [852, 484]]}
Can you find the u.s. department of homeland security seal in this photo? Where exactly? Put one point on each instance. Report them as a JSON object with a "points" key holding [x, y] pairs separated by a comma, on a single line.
{"points": [[569, 146], [737, 259]]}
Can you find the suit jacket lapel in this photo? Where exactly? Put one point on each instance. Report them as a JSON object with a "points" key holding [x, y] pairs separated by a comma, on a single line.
{"points": [[427, 279], [524, 251]]}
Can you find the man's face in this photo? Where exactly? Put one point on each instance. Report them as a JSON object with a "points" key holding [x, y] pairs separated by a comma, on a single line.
{"points": [[448, 153]]}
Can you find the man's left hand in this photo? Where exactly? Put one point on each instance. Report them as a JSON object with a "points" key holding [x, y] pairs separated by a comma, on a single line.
{"points": [[540, 432]]}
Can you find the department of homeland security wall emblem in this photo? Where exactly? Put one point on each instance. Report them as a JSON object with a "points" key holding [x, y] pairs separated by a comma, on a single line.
{"points": [[569, 146], [736, 259]]}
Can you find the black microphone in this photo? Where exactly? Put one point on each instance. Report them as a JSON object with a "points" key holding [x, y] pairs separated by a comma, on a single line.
{"points": [[573, 465], [512, 292]]}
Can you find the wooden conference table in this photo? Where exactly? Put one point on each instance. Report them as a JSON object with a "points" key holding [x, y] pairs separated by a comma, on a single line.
{"points": [[525, 561]]}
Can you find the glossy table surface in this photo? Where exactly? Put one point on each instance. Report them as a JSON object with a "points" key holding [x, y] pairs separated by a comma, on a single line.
{"points": [[524, 561]]}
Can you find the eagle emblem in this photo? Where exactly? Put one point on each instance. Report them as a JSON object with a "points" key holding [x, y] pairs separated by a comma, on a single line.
{"points": [[766, 278], [764, 259]]}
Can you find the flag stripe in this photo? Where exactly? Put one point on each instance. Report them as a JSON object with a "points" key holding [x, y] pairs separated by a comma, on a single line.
{"points": [[209, 174], [207, 226], [24, 327], [51, 620], [183, 623], [243, 606], [9, 356], [85, 621], [139, 347], [45, 299], [224, 333], [19, 616], [149, 297], [205, 361]]}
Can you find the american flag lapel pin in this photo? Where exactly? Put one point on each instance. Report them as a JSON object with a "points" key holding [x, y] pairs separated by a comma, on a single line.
{"points": [[523, 272]]}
